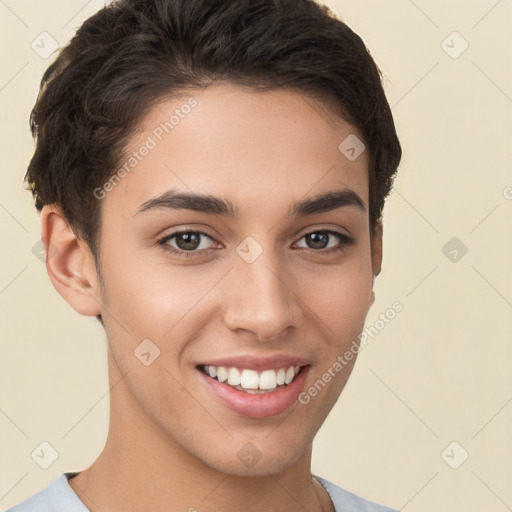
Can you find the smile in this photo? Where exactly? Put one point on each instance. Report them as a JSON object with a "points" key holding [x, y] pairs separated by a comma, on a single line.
{"points": [[251, 393], [251, 381]]}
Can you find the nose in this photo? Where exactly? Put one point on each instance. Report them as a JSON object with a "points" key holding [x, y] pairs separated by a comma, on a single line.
{"points": [[260, 300]]}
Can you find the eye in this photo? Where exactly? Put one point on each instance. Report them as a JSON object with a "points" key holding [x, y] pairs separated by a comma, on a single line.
{"points": [[189, 243], [185, 241], [322, 240]]}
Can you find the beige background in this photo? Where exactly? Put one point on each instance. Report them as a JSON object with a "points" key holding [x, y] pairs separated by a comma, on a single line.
{"points": [[437, 373]]}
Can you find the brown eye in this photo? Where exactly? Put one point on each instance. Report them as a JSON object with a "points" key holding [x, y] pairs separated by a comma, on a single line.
{"points": [[186, 241], [326, 239], [318, 240]]}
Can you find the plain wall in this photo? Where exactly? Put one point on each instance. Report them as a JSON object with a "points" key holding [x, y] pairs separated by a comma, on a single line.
{"points": [[436, 374]]}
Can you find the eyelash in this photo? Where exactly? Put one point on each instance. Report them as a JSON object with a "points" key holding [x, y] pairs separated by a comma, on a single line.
{"points": [[345, 241]]}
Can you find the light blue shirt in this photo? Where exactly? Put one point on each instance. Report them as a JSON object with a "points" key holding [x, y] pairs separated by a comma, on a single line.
{"points": [[58, 496]]}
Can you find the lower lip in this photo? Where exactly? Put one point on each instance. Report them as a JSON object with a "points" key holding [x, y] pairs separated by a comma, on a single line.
{"points": [[257, 405]]}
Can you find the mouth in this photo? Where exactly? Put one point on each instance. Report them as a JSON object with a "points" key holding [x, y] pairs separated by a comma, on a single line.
{"points": [[251, 393], [251, 381]]}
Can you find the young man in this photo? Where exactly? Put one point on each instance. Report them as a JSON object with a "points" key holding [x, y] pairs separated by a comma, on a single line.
{"points": [[211, 176]]}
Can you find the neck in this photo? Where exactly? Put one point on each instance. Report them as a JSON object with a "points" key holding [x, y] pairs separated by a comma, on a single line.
{"points": [[141, 468]]}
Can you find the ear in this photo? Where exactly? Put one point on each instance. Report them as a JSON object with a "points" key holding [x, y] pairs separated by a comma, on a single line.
{"points": [[376, 248], [69, 263]]}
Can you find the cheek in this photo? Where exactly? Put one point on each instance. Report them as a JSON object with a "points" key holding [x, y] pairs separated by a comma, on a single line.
{"points": [[341, 298], [154, 294]]}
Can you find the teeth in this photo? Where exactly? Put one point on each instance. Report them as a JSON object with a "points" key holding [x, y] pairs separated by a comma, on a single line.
{"points": [[234, 378], [268, 379], [222, 374], [249, 380], [290, 374]]}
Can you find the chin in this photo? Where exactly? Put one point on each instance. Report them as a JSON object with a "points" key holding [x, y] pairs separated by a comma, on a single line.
{"points": [[257, 456], [263, 467]]}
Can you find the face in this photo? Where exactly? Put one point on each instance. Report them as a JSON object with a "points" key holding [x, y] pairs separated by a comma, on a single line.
{"points": [[251, 273]]}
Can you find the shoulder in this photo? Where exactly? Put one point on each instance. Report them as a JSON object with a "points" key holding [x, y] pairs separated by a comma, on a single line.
{"points": [[57, 496], [346, 501]]}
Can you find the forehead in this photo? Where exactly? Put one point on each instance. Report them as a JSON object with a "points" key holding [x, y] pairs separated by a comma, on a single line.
{"points": [[272, 147]]}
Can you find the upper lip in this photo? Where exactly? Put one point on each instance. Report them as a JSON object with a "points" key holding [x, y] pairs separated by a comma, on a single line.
{"points": [[258, 363]]}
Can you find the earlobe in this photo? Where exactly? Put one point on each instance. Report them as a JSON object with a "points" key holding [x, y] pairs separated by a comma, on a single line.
{"points": [[69, 263]]}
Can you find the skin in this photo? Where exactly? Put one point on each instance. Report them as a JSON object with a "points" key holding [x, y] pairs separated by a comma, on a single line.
{"points": [[171, 446]]}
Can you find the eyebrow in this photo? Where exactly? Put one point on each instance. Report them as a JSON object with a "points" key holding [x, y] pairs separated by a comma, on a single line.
{"points": [[209, 204]]}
